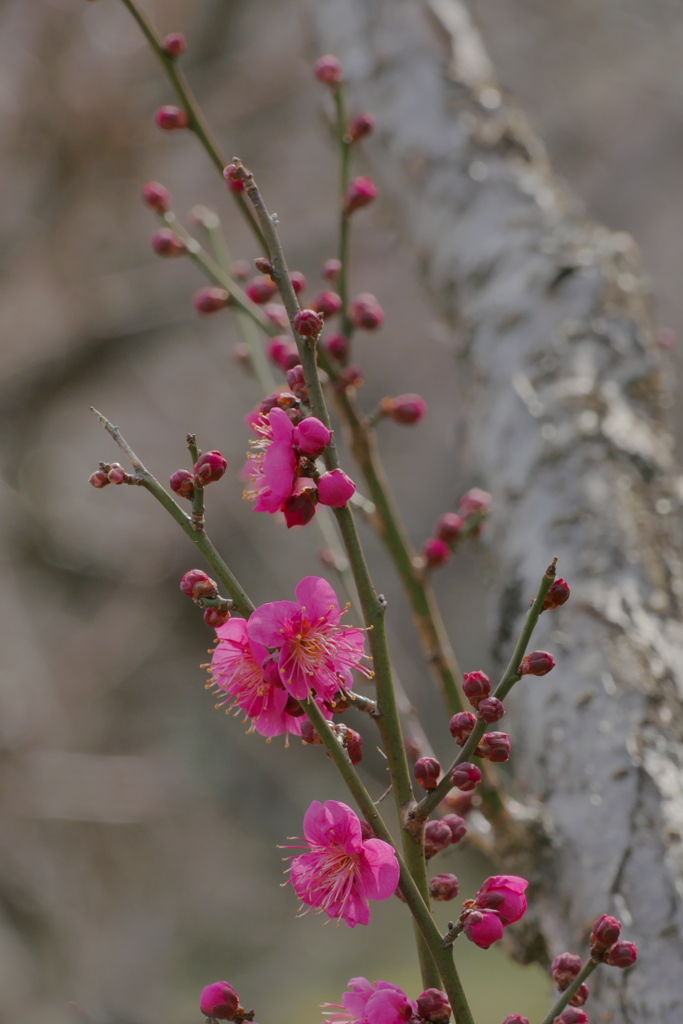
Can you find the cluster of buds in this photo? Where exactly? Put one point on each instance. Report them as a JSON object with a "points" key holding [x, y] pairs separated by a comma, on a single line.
{"points": [[111, 473], [443, 888], [604, 945], [450, 527], [366, 313], [441, 833], [208, 468], [201, 589]]}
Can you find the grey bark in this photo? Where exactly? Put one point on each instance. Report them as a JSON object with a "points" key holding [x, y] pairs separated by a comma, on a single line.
{"points": [[567, 393]]}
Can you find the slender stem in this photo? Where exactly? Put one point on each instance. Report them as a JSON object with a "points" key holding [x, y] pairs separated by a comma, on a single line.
{"points": [[198, 522], [569, 993], [197, 123], [344, 220]]}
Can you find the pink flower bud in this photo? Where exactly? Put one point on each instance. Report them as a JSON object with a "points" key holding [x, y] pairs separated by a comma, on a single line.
{"points": [[623, 955], [461, 725], [182, 482], [210, 467], [366, 312], [298, 280], [283, 352], [457, 825], [449, 527], [166, 242], [175, 44], [475, 502], [437, 838], [580, 996], [331, 270], [361, 126], [216, 617], [435, 552], [457, 803], [404, 409], [556, 596], [360, 193], [171, 118], [338, 346], [299, 509], [328, 70], [220, 1001], [512, 888], [240, 270], [572, 1016], [444, 887], [483, 928], [494, 746], [466, 776], [516, 1018], [491, 710], [210, 300], [308, 323], [309, 735], [99, 478], [427, 771], [604, 933], [116, 474], [327, 303], [236, 185], [197, 585], [312, 437], [564, 969], [538, 663], [433, 1005], [366, 831], [261, 289], [277, 314], [476, 685], [156, 196], [335, 488], [297, 382], [350, 377], [353, 741]]}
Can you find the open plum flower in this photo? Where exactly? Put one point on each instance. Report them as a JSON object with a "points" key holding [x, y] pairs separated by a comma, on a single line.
{"points": [[366, 1002], [315, 652], [341, 871]]}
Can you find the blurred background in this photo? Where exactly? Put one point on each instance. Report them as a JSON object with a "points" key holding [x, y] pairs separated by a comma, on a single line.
{"points": [[138, 855]]}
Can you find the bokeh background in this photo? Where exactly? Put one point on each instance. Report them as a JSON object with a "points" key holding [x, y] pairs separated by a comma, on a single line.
{"points": [[138, 855]]}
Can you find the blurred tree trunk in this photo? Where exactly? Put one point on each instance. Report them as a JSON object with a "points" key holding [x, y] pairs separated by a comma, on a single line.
{"points": [[565, 393]]}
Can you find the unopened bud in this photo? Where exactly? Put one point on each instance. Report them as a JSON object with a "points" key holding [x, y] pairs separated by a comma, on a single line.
{"points": [[117, 473], [444, 887], [298, 280], [404, 409], [219, 1001], [516, 1018], [261, 289], [623, 955], [353, 741], [328, 70], [197, 585], [216, 617], [299, 509], [210, 300], [427, 771], [156, 196], [366, 312], [283, 351], [263, 265], [309, 735], [435, 552], [360, 193], [466, 776], [556, 596], [182, 482], [366, 831], [572, 1016], [580, 996], [308, 323], [564, 969], [99, 478], [166, 242], [449, 527], [210, 467], [433, 1005], [491, 710], [494, 746], [277, 314], [327, 303], [457, 802], [437, 838], [331, 269], [171, 118], [350, 377], [338, 346], [538, 663], [312, 437], [175, 44], [461, 725], [361, 126], [297, 382], [457, 825], [475, 502], [604, 933], [477, 686], [335, 488]]}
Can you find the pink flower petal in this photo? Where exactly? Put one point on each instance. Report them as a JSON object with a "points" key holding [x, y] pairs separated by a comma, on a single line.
{"points": [[319, 599], [379, 869], [269, 623]]}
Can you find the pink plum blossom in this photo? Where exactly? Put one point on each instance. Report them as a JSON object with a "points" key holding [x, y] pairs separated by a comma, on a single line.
{"points": [[316, 653], [483, 928], [342, 871], [272, 461], [505, 895], [368, 1003]]}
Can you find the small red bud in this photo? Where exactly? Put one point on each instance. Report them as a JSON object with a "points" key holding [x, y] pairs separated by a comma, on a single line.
{"points": [[475, 502], [353, 741], [166, 242], [433, 1005], [182, 482], [308, 323], [219, 1001], [210, 467], [116, 474], [604, 933], [435, 552], [299, 509], [556, 596], [261, 289], [494, 746], [361, 126], [476, 685], [216, 617], [444, 887], [437, 837], [309, 735], [335, 488], [366, 312], [283, 351], [277, 314], [210, 300], [572, 1016], [466, 776], [171, 118], [263, 265], [156, 196], [538, 663], [236, 185], [298, 280], [338, 346], [427, 771], [564, 969], [457, 825], [328, 70], [175, 44], [197, 585], [99, 478], [623, 955], [297, 382], [491, 710], [461, 725], [350, 377], [580, 996], [516, 1018], [327, 303], [449, 527], [405, 409], [360, 193], [331, 270]]}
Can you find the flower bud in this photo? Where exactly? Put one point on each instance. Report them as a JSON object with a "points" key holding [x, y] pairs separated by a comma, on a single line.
{"points": [[156, 196], [331, 270], [116, 474], [219, 1001], [475, 502], [433, 1005], [435, 552], [494, 746], [338, 346], [483, 927], [197, 585], [312, 437], [361, 126], [236, 185], [572, 1016], [328, 70], [580, 996], [182, 482], [297, 382], [491, 710], [427, 771], [604, 933], [298, 280], [366, 312], [476, 685], [538, 663], [99, 478], [505, 895], [299, 508], [261, 289], [216, 617], [210, 300], [166, 242], [466, 776], [277, 314], [309, 735], [263, 265], [564, 969], [444, 887], [350, 377], [366, 831], [457, 825], [623, 955], [327, 303], [308, 323], [404, 409], [360, 193], [283, 351], [461, 725], [449, 527], [171, 118], [210, 467], [353, 741], [437, 838], [175, 44], [556, 596], [457, 802], [516, 1018], [335, 489]]}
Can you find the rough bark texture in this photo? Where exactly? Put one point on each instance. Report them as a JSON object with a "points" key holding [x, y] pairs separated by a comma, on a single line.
{"points": [[562, 374]]}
